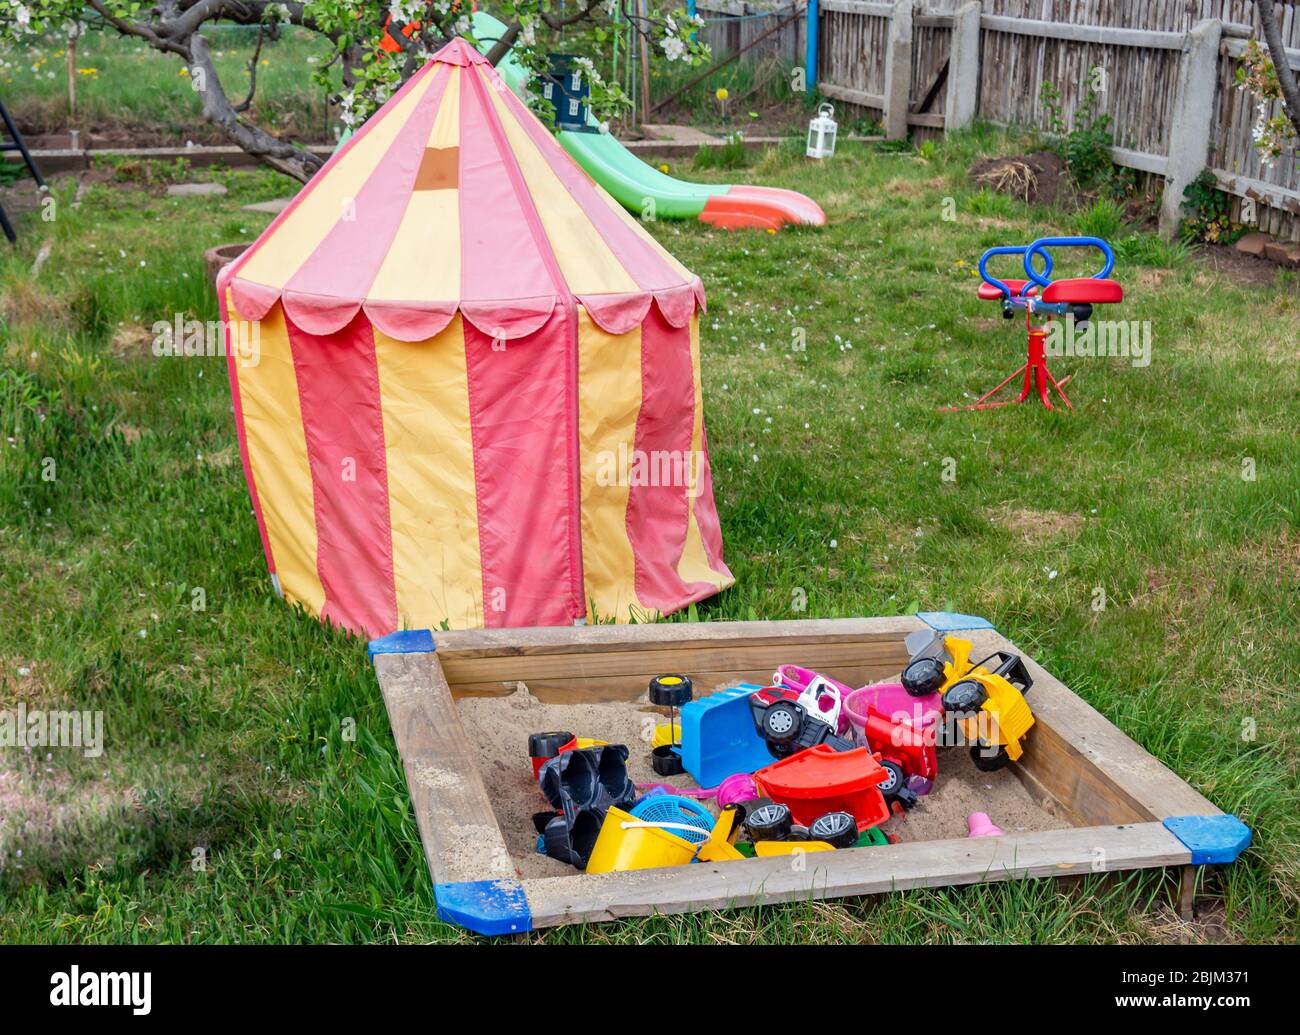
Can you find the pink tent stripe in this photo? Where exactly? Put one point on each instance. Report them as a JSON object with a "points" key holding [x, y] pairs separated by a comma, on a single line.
{"points": [[338, 388], [518, 403], [706, 511], [498, 261], [657, 515], [478, 266]]}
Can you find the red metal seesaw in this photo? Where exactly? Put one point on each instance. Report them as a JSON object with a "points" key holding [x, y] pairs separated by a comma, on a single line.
{"points": [[1042, 296]]}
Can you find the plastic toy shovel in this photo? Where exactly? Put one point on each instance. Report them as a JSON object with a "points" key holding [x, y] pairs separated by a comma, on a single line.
{"points": [[718, 848]]}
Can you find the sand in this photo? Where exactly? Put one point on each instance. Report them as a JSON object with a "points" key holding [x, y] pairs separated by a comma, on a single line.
{"points": [[499, 729]]}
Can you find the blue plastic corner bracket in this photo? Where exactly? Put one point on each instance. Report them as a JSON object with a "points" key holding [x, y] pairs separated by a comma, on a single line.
{"points": [[947, 621], [404, 641], [1211, 839], [489, 907]]}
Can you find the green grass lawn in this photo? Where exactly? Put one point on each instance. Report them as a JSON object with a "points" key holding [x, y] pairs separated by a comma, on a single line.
{"points": [[127, 89], [223, 724]]}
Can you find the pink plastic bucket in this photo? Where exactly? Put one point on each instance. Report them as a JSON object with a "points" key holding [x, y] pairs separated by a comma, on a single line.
{"points": [[894, 703]]}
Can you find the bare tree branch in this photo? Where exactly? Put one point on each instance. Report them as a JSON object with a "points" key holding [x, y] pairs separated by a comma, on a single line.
{"points": [[243, 105], [572, 19], [502, 46]]}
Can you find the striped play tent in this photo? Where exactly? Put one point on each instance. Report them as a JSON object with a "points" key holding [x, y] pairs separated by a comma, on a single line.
{"points": [[474, 395]]}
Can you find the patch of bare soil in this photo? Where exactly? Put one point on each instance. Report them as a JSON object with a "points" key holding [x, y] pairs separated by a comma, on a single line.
{"points": [[132, 341], [1149, 280], [1239, 267], [1036, 526], [905, 188], [26, 302], [1207, 927], [1038, 179], [43, 813], [19, 680]]}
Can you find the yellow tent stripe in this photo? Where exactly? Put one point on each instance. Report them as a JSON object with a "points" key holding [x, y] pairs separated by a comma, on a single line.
{"points": [[423, 262], [609, 379], [328, 197], [588, 264], [694, 563], [277, 454], [424, 395]]}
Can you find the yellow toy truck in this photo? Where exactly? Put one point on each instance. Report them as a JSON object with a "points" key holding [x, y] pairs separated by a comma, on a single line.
{"points": [[987, 704]]}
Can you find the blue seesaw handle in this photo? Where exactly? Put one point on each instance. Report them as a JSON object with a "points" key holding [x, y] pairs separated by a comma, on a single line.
{"points": [[1040, 247], [1002, 286]]}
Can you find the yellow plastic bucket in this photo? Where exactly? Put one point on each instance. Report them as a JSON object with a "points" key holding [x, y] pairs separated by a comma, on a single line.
{"points": [[627, 843]]}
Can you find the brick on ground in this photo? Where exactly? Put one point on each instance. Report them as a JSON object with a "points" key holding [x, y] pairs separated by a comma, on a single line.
{"points": [[1284, 253], [1254, 244]]}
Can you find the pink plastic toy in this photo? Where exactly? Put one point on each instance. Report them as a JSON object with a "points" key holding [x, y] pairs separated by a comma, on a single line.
{"points": [[981, 826], [737, 788]]}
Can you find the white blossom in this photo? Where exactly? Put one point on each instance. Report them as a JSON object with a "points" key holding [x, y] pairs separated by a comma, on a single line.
{"points": [[673, 48]]}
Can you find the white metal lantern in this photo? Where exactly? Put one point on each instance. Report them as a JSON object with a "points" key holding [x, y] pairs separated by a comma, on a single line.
{"points": [[821, 133]]}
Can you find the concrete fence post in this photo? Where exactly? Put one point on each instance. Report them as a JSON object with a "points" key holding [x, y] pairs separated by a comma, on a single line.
{"points": [[963, 69], [898, 70], [1193, 115]]}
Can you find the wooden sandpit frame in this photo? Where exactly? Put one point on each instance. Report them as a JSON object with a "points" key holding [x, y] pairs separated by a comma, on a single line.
{"points": [[1127, 810]]}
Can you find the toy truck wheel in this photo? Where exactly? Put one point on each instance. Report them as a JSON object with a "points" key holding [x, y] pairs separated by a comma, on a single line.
{"points": [[923, 677], [781, 723], [964, 698], [987, 762], [835, 828], [896, 782], [744, 808], [670, 691], [771, 822]]}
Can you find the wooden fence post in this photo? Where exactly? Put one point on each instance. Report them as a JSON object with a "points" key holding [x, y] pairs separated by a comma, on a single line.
{"points": [[898, 70], [1193, 115], [963, 69]]}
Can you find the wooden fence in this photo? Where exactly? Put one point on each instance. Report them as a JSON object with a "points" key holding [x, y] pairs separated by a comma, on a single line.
{"points": [[731, 26], [1168, 81]]}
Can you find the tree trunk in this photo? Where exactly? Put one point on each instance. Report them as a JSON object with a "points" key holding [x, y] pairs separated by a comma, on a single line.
{"points": [[1277, 50]]}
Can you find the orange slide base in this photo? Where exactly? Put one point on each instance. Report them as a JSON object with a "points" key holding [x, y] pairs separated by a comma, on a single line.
{"points": [[766, 208]]}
